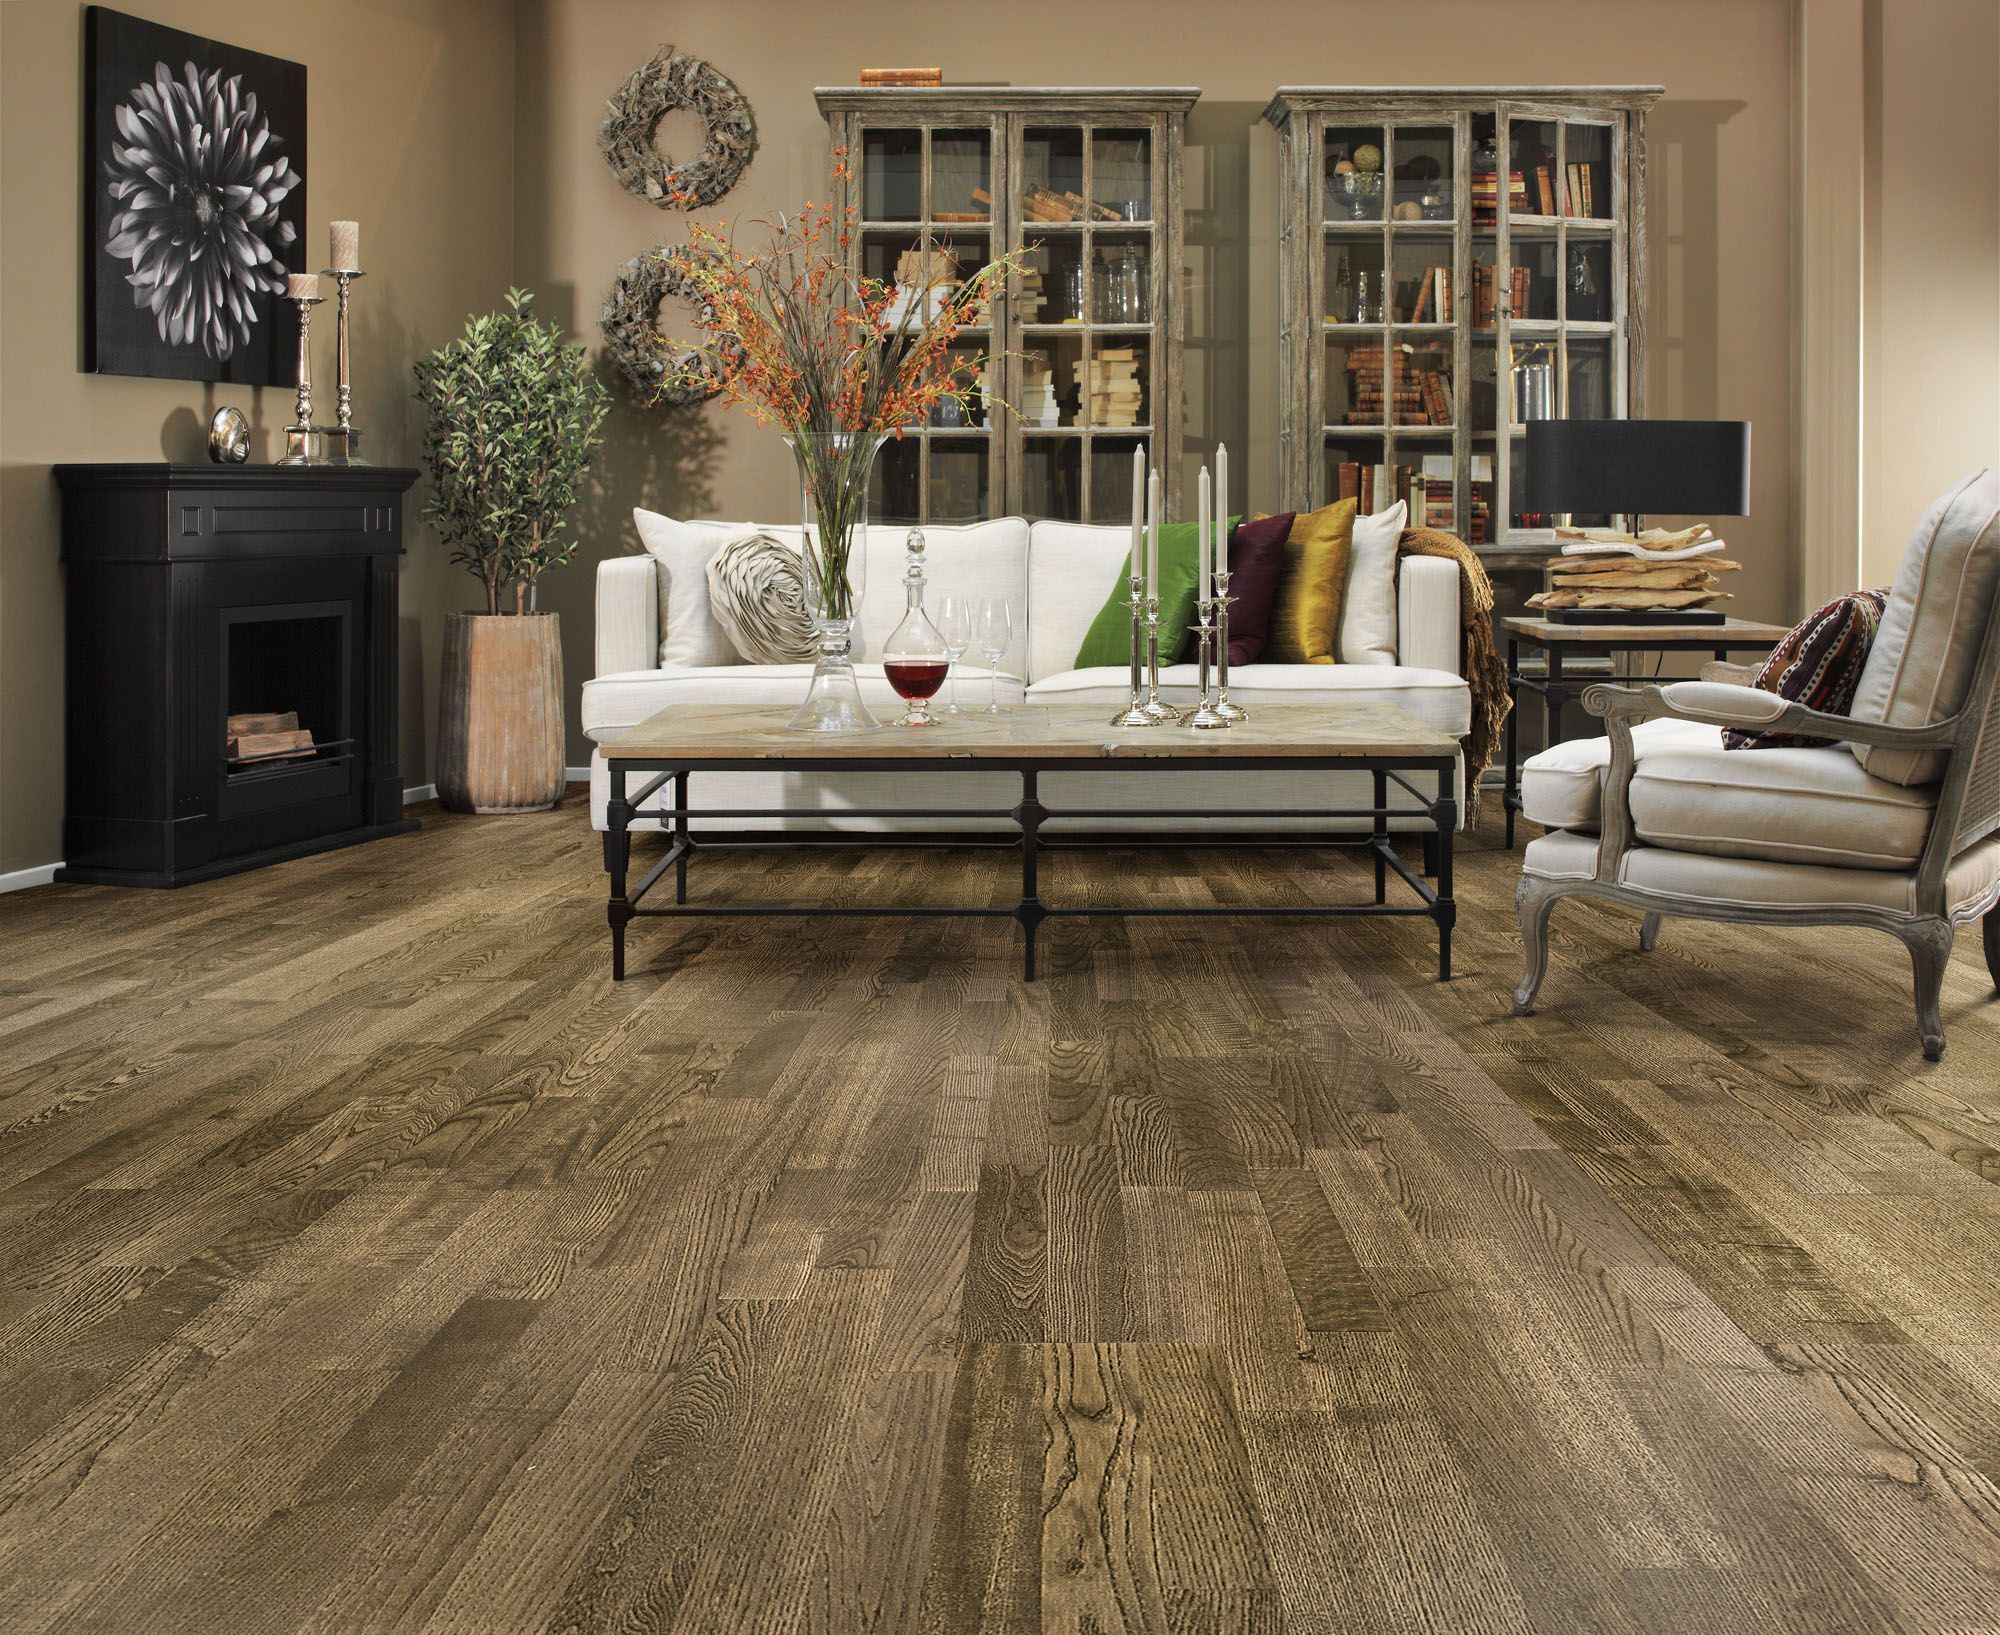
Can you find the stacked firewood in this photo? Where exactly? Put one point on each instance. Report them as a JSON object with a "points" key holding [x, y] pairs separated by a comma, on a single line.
{"points": [[1649, 572]]}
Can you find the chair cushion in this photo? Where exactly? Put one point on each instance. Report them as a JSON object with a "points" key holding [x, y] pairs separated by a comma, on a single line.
{"points": [[1368, 608], [1920, 667], [1689, 794], [1972, 881], [624, 700], [1435, 697], [1818, 665]]}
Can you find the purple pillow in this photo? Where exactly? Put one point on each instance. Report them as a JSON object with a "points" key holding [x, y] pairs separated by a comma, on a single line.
{"points": [[1256, 562], [1817, 665]]}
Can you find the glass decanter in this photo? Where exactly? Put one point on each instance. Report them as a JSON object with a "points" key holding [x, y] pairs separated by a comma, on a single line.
{"points": [[915, 658]]}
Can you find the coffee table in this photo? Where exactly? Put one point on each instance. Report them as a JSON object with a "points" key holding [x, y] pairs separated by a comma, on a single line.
{"points": [[685, 739]]}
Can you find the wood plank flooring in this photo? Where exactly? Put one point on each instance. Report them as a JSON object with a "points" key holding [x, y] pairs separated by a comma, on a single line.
{"points": [[370, 1262]]}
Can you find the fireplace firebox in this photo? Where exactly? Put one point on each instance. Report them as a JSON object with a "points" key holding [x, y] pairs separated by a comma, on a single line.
{"points": [[231, 647]]}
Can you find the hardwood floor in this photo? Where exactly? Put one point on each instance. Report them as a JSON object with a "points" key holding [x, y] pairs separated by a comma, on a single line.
{"points": [[370, 1262]]}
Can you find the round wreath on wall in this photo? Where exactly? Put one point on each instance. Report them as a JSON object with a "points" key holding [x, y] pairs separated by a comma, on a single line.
{"points": [[660, 370], [669, 82]]}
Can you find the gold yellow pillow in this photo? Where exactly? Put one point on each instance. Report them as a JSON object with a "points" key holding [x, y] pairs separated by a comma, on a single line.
{"points": [[1305, 622]]}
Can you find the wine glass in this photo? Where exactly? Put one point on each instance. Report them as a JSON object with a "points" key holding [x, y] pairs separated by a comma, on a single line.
{"points": [[993, 630], [954, 622]]}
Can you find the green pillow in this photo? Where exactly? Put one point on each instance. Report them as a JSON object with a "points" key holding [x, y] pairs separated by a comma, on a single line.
{"points": [[1109, 639]]}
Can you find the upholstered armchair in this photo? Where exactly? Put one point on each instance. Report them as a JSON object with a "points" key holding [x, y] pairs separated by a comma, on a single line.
{"points": [[1893, 824]]}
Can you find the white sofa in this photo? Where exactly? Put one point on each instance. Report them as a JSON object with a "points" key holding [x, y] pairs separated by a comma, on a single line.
{"points": [[1056, 576]]}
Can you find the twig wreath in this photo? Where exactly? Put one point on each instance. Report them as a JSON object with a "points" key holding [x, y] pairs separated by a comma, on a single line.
{"points": [[668, 82], [660, 370]]}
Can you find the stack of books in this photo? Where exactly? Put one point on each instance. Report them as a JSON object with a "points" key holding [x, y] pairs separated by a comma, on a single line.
{"points": [[1580, 200], [1373, 487], [1038, 391], [1370, 403], [902, 76], [1044, 204], [1486, 288], [1658, 571], [1486, 196], [1114, 387]]}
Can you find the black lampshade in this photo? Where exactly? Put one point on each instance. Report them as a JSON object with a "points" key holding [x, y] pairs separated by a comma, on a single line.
{"points": [[1678, 467]]}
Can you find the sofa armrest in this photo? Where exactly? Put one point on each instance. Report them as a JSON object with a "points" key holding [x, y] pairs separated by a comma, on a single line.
{"points": [[628, 615], [1427, 628]]}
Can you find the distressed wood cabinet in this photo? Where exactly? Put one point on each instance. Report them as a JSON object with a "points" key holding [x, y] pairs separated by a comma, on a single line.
{"points": [[1086, 348], [1523, 207]]}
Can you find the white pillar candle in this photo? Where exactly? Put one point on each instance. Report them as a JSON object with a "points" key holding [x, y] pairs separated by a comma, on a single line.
{"points": [[345, 246], [1222, 504], [300, 286], [1138, 563], [1202, 563], [1153, 534]]}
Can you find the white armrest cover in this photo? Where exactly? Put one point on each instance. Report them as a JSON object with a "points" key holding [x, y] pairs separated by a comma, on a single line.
{"points": [[1427, 633], [1745, 706], [628, 615]]}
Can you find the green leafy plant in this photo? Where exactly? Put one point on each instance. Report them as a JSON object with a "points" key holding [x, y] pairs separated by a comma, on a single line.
{"points": [[514, 419]]}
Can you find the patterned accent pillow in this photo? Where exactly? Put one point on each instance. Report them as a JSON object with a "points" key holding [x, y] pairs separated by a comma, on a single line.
{"points": [[1817, 665], [756, 595]]}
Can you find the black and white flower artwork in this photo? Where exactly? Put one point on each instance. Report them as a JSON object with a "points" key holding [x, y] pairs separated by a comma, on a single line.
{"points": [[196, 199]]}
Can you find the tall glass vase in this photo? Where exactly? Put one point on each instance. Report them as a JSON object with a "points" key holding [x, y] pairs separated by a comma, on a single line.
{"points": [[833, 486]]}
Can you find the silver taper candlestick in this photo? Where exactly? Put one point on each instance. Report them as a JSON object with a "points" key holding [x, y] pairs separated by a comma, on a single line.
{"points": [[342, 440], [1158, 710], [1134, 714], [301, 441], [1206, 716], [1223, 708]]}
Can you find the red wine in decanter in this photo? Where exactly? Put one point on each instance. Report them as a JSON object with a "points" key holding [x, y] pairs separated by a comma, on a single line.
{"points": [[915, 678]]}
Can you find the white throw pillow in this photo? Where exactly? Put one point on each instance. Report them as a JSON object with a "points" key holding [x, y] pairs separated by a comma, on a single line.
{"points": [[689, 635], [1368, 609]]}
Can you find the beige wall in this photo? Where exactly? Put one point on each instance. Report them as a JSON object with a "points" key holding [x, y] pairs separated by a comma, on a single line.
{"points": [[1931, 261], [411, 133], [1720, 188]]}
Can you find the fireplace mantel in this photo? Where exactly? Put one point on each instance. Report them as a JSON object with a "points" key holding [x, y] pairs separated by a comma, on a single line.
{"points": [[186, 583]]}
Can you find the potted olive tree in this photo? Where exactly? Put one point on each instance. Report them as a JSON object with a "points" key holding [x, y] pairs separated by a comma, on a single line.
{"points": [[513, 420]]}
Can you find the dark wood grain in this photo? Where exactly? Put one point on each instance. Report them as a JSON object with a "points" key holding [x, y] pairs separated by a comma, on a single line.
{"points": [[372, 1263]]}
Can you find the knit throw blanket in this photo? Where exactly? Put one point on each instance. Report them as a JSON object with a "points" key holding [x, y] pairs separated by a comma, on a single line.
{"points": [[1485, 672]]}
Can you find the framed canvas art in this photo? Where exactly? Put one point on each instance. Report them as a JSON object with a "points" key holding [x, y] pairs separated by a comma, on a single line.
{"points": [[194, 203]]}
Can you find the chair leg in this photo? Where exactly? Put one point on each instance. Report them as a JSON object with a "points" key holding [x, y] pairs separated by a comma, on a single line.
{"points": [[1989, 929], [1649, 933], [1534, 899], [1929, 942]]}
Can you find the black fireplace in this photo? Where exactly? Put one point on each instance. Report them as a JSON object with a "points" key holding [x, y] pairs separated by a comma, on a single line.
{"points": [[231, 688]]}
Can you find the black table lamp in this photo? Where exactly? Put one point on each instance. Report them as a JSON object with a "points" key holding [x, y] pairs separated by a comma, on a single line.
{"points": [[1635, 467]]}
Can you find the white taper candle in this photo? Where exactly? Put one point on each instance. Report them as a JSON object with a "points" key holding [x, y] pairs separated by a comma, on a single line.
{"points": [[1201, 556], [1138, 563], [1222, 505], [1153, 534]]}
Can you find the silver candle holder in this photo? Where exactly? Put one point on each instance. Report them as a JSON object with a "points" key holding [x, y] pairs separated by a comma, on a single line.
{"points": [[1156, 709], [1206, 716], [302, 438], [342, 441], [1134, 714], [1229, 712]]}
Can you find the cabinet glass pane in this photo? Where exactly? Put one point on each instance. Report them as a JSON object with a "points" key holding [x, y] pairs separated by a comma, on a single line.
{"points": [[1052, 476], [1587, 170], [961, 175], [1535, 281], [1111, 478], [1533, 384], [969, 370], [1051, 380], [1422, 394], [1354, 377], [1587, 281], [1120, 380], [1422, 185], [895, 483], [1354, 471], [960, 468], [1354, 270], [1051, 288], [1121, 278], [1052, 173], [1353, 165], [1122, 179], [1587, 365], [1421, 288], [1432, 501], [1534, 161], [891, 178]]}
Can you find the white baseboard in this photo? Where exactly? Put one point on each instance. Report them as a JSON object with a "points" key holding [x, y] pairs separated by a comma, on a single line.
{"points": [[420, 792], [577, 774], [22, 879]]}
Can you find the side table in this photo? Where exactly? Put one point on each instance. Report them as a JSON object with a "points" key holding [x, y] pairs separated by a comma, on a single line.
{"points": [[1559, 641]]}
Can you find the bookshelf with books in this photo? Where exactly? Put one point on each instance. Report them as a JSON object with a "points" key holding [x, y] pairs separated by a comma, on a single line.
{"points": [[1454, 262], [1084, 348]]}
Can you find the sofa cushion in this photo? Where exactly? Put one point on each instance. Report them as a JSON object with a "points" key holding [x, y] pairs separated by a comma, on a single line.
{"points": [[1920, 667], [689, 633], [1818, 665], [1435, 697], [1368, 606], [624, 700], [1256, 561], [1069, 566], [1305, 616], [1109, 638], [1689, 794]]}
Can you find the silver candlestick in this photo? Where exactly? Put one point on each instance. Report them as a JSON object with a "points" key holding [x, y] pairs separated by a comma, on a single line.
{"points": [[1206, 716], [1223, 708], [1134, 714], [343, 442], [301, 439], [1157, 709]]}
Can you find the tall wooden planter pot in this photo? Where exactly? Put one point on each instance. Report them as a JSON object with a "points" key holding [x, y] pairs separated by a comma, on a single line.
{"points": [[500, 726]]}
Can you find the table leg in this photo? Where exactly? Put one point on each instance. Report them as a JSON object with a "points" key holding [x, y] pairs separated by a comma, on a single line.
{"points": [[1029, 910], [681, 837], [1381, 837], [1554, 696], [617, 855], [1510, 790], [1444, 818]]}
